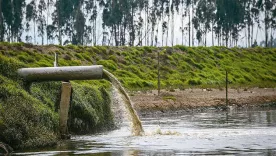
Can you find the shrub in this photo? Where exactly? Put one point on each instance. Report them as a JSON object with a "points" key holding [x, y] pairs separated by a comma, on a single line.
{"points": [[169, 98], [194, 82], [109, 64], [181, 47]]}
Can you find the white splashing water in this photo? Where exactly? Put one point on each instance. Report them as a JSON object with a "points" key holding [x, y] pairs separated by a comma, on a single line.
{"points": [[137, 128]]}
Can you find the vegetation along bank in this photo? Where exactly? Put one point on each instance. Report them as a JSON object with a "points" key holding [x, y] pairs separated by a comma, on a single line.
{"points": [[29, 115]]}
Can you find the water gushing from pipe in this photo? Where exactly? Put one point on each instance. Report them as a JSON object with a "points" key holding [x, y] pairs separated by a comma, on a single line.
{"points": [[137, 128]]}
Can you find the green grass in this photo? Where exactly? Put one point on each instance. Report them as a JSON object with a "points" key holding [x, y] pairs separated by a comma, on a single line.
{"points": [[180, 66], [29, 113], [169, 98]]}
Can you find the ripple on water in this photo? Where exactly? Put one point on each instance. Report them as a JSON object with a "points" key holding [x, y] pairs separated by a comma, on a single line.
{"points": [[254, 138]]}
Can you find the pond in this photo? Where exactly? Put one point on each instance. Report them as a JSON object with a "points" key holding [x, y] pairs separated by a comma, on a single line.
{"points": [[244, 131]]}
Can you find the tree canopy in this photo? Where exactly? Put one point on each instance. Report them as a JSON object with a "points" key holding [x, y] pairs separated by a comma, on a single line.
{"points": [[138, 22]]}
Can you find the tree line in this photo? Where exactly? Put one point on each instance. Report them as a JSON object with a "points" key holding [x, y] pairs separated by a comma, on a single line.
{"points": [[137, 22]]}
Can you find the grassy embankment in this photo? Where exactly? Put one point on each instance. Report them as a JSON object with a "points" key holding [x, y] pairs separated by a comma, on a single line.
{"points": [[30, 118], [183, 67]]}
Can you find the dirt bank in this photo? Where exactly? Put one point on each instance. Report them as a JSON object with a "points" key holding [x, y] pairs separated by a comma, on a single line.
{"points": [[194, 98]]}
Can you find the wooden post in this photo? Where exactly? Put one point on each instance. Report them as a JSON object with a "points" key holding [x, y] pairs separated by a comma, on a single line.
{"points": [[64, 109], [226, 82], [158, 73], [56, 60]]}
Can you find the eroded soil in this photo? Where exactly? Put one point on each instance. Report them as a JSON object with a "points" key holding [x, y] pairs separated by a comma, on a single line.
{"points": [[195, 98]]}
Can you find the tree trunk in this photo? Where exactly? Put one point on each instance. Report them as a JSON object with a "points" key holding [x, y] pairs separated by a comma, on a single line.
{"points": [[266, 29], [42, 35], [271, 37], [1, 24], [205, 38], [132, 26], [115, 36], [48, 5], [252, 34], [182, 28], [59, 32], [212, 35], [218, 38], [192, 27], [245, 33], [124, 37], [95, 32], [145, 27], [172, 30], [34, 33], [249, 45], [167, 31], [162, 31], [157, 30], [152, 34], [189, 27]]}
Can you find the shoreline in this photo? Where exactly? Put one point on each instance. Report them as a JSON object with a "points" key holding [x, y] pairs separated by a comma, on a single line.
{"points": [[189, 99]]}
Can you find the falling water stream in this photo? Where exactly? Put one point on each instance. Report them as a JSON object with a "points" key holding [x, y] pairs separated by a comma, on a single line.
{"points": [[137, 128]]}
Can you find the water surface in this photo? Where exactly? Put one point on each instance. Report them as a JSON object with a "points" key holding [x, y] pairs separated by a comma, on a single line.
{"points": [[237, 132]]}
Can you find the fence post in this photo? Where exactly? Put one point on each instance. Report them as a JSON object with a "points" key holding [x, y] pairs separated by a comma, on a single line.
{"points": [[64, 109], [158, 73], [56, 60], [226, 83]]}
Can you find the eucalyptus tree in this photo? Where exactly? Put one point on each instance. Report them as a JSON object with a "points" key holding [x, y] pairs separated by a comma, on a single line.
{"points": [[154, 14], [266, 6], [51, 33], [8, 17], [79, 26], [41, 20], [87, 35], [165, 25], [174, 6], [163, 10], [134, 7], [50, 3], [211, 13], [199, 19], [58, 19], [28, 38], [63, 18], [142, 22], [229, 15], [112, 18], [91, 9], [31, 15], [193, 4], [250, 12], [17, 26], [146, 20], [188, 4], [183, 15], [1, 23], [140, 30], [126, 21], [273, 26]]}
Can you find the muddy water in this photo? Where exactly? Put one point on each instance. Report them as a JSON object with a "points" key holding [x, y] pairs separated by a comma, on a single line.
{"points": [[238, 132], [137, 128]]}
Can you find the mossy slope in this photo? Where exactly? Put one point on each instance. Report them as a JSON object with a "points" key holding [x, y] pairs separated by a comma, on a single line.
{"points": [[29, 113]]}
